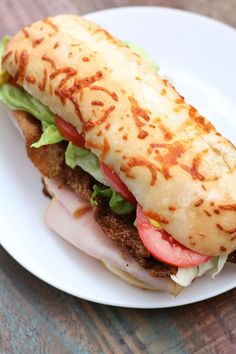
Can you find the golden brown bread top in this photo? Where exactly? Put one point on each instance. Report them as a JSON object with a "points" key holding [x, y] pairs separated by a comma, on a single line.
{"points": [[179, 168]]}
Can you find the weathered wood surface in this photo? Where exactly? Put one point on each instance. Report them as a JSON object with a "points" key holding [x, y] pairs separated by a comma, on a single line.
{"points": [[37, 318]]}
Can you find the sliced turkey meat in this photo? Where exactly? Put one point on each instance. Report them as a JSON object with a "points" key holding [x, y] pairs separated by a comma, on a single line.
{"points": [[85, 234]]}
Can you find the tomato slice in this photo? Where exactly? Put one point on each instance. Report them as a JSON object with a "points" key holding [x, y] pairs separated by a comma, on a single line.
{"points": [[116, 183], [12, 81], [163, 247], [69, 132]]}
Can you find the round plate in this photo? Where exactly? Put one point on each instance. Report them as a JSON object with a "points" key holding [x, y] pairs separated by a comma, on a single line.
{"points": [[197, 54]]}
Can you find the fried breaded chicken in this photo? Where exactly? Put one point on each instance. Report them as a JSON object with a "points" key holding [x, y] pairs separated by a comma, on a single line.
{"points": [[47, 159], [50, 162]]}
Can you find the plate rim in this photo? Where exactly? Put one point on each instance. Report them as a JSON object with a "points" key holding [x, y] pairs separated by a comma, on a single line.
{"points": [[111, 303], [160, 8]]}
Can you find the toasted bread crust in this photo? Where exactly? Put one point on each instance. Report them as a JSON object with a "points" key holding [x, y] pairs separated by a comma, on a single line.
{"points": [[179, 168]]}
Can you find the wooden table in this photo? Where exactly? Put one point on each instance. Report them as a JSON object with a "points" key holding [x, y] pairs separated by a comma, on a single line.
{"points": [[36, 318]]}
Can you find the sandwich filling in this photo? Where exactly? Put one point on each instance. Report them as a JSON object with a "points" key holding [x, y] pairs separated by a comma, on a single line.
{"points": [[58, 150]]}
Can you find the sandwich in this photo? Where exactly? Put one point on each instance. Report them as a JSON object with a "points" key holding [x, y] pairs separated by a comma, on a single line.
{"points": [[136, 176]]}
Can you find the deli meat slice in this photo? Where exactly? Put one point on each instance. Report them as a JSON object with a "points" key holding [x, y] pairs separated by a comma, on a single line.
{"points": [[85, 234], [74, 205]]}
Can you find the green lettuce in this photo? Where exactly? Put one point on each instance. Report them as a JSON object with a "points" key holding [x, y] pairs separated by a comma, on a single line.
{"points": [[119, 205], [4, 76], [17, 98], [3, 43], [213, 267], [51, 135], [140, 51], [76, 156], [86, 160]]}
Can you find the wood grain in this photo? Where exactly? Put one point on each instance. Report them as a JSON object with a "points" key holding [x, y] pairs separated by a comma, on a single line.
{"points": [[28, 11], [37, 318]]}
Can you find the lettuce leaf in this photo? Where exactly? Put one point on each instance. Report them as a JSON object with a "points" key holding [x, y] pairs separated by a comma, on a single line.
{"points": [[86, 160], [17, 98], [51, 135], [119, 205], [213, 267], [140, 51], [103, 191], [3, 43], [3, 73]]}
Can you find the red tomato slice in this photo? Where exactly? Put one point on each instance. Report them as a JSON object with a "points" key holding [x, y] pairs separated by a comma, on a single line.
{"points": [[12, 81], [163, 247], [69, 132], [115, 182]]}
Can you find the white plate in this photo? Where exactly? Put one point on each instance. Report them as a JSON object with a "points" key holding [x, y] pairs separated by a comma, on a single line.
{"points": [[198, 55]]}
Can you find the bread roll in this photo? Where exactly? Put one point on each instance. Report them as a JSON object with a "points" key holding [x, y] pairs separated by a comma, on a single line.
{"points": [[178, 167]]}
